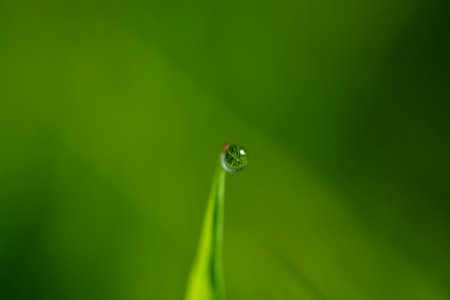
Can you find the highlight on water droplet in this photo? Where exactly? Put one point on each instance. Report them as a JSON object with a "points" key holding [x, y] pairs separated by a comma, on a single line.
{"points": [[234, 158]]}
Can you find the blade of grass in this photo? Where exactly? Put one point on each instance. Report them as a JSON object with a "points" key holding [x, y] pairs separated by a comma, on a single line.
{"points": [[206, 280]]}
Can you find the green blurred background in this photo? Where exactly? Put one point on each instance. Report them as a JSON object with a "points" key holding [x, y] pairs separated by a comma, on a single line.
{"points": [[112, 116]]}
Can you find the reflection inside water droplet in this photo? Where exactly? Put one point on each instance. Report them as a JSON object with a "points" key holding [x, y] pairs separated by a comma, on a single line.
{"points": [[234, 158]]}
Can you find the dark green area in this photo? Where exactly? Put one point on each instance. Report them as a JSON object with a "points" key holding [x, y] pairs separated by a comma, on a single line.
{"points": [[112, 115]]}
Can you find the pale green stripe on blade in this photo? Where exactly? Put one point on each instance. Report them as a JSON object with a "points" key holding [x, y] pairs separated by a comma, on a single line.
{"points": [[206, 279]]}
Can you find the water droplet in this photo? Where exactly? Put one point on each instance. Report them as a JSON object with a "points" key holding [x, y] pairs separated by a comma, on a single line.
{"points": [[234, 158]]}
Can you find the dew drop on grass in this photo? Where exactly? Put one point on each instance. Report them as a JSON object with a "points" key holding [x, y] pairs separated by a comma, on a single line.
{"points": [[234, 158]]}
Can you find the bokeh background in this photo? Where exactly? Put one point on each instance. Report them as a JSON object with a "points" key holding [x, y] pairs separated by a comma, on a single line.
{"points": [[112, 116]]}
